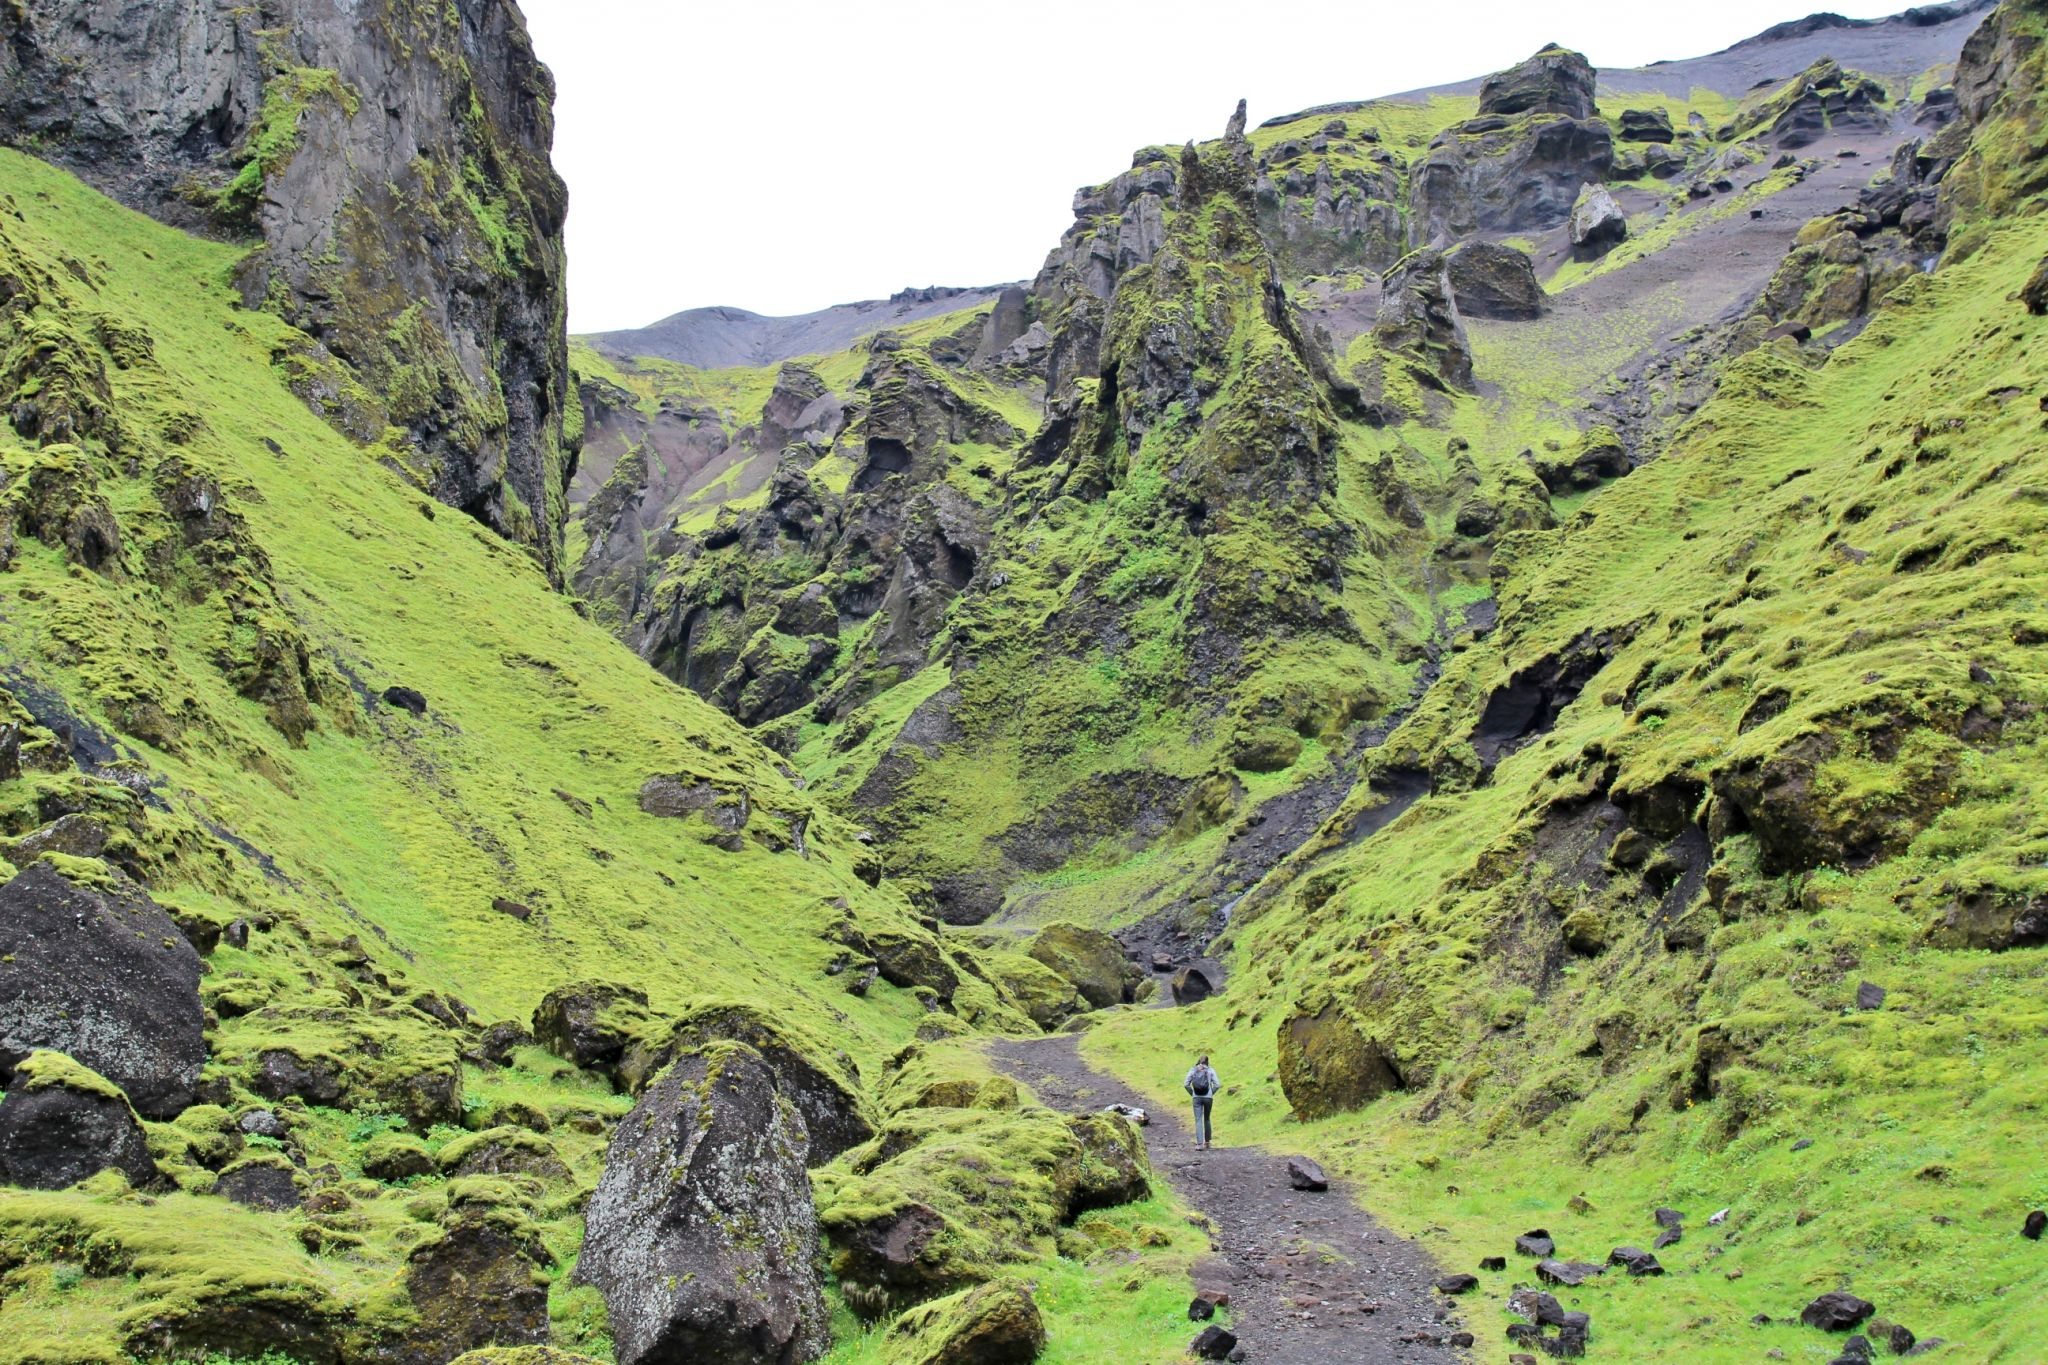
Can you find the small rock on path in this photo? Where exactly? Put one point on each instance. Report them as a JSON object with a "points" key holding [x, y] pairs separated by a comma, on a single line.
{"points": [[1313, 1279]]}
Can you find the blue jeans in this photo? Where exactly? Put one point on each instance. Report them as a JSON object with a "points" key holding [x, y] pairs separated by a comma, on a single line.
{"points": [[1202, 1104]]}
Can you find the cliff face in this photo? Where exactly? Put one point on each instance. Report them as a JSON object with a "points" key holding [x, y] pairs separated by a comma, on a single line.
{"points": [[391, 164]]}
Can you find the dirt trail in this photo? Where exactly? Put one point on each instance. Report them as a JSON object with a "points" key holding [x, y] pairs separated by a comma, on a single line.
{"points": [[1313, 1279]]}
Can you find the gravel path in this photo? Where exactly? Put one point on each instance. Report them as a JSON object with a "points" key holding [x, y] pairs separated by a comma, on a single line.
{"points": [[1313, 1279]]}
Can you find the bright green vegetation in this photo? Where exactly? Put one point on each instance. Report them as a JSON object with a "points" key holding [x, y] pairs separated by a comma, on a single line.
{"points": [[259, 581], [1832, 551]]}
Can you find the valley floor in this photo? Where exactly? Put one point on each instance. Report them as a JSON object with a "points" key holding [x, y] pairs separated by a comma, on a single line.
{"points": [[1313, 1279]]}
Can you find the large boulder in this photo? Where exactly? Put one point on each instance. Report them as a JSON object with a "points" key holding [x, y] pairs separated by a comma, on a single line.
{"points": [[822, 1084], [702, 1236], [1498, 174], [1418, 316], [1042, 993], [1113, 1168], [1598, 224], [991, 1324], [590, 1023], [1489, 280], [1554, 81], [1089, 958], [1327, 1066], [60, 1124], [102, 975], [479, 1284], [1646, 125]]}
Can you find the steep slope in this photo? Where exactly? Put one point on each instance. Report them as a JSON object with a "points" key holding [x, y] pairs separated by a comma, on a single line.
{"points": [[393, 163], [377, 798], [1725, 887], [916, 589], [209, 593]]}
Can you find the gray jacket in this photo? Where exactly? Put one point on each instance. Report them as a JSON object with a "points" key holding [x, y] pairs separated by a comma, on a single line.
{"points": [[1195, 1071]]}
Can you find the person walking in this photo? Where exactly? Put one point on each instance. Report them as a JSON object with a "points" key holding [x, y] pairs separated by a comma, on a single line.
{"points": [[1202, 1085]]}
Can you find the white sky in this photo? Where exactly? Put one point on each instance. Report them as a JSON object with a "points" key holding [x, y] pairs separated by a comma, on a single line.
{"points": [[786, 155]]}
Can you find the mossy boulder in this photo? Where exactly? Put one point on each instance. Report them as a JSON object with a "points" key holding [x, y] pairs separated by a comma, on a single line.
{"points": [[61, 1123], [1265, 749], [991, 1324], [822, 1082], [1089, 958], [590, 1023], [702, 1235], [1042, 993], [101, 974], [910, 1215], [396, 1156], [1328, 1066], [482, 1282], [264, 1181], [503, 1151], [1113, 1168]]}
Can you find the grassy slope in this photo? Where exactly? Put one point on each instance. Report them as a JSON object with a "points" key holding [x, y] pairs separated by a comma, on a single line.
{"points": [[1921, 433], [394, 830]]}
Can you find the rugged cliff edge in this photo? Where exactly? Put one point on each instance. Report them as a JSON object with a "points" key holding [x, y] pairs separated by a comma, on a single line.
{"points": [[392, 163]]}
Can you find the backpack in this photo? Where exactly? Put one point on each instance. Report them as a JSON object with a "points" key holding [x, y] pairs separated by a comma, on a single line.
{"points": [[1204, 1081]]}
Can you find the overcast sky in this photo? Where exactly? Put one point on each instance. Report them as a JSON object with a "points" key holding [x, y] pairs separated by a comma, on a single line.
{"points": [[785, 155]]}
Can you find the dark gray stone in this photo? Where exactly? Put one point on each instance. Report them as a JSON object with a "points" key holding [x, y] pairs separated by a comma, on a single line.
{"points": [[702, 1235], [1838, 1311], [105, 977], [1304, 1174], [58, 1128]]}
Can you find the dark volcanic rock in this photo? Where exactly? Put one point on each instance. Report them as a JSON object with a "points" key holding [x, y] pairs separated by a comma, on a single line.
{"points": [[1536, 1242], [260, 1184], [1569, 1273], [105, 977], [1190, 986], [1635, 1260], [60, 1123], [418, 236], [1554, 81], [2036, 1223], [1597, 223], [1646, 125], [1457, 1284], [1836, 1312], [1304, 1174], [1493, 281], [406, 699], [1870, 996], [991, 1324], [817, 1083], [1214, 1343], [479, 1284], [702, 1235], [1494, 175]]}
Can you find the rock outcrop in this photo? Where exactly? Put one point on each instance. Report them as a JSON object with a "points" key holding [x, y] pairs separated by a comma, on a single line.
{"points": [[60, 1124], [394, 169], [702, 1235], [1517, 166], [101, 974], [1598, 224], [1489, 280]]}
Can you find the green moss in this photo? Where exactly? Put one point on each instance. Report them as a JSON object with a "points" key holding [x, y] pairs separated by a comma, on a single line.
{"points": [[273, 138]]}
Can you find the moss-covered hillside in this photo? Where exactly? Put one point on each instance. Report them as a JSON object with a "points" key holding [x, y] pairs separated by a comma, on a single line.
{"points": [[208, 594]]}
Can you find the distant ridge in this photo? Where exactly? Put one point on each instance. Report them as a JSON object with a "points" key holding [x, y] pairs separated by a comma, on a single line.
{"points": [[719, 337]]}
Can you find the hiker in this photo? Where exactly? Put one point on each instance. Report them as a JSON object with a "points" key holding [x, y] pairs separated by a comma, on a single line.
{"points": [[1203, 1085]]}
